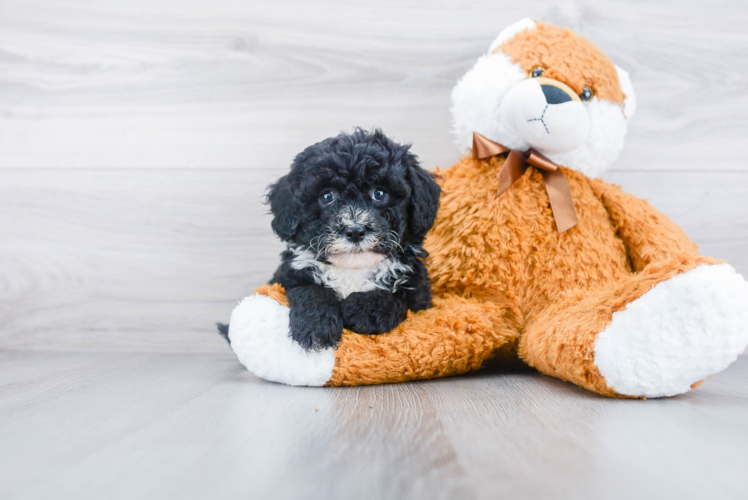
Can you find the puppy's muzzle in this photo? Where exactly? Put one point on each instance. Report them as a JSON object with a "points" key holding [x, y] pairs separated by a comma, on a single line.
{"points": [[355, 233], [353, 230], [353, 238], [547, 114]]}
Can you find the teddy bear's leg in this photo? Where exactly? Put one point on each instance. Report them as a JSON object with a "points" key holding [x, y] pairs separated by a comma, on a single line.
{"points": [[657, 333], [455, 336]]}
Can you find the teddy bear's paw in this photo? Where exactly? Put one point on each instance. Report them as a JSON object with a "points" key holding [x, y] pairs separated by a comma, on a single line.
{"points": [[677, 334], [259, 335]]}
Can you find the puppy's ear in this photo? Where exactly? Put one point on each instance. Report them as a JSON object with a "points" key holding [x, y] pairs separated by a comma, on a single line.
{"points": [[284, 207], [424, 201]]}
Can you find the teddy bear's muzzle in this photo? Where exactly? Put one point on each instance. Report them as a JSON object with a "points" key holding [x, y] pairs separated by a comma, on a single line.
{"points": [[548, 115]]}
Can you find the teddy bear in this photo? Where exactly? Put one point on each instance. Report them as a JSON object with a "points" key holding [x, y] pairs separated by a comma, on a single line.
{"points": [[532, 256]]}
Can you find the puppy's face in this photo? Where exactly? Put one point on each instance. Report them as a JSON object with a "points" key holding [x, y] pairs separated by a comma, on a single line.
{"points": [[354, 200]]}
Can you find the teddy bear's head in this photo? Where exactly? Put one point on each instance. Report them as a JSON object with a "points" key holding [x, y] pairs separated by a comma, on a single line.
{"points": [[546, 88]]}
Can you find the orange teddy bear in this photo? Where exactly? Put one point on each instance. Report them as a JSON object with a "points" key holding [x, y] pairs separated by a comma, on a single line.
{"points": [[532, 257]]}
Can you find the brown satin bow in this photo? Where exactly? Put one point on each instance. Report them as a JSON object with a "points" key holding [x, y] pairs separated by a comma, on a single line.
{"points": [[556, 185]]}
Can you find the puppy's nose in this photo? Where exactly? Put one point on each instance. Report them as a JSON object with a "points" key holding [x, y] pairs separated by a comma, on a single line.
{"points": [[355, 233], [554, 95]]}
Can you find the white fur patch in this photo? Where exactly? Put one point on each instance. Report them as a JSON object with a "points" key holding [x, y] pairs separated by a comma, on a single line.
{"points": [[387, 274], [604, 142], [349, 216], [358, 260], [476, 102], [681, 331], [629, 102], [511, 31], [549, 128], [260, 337]]}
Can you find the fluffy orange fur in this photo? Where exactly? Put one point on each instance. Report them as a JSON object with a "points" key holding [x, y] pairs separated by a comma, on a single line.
{"points": [[506, 282], [568, 58]]}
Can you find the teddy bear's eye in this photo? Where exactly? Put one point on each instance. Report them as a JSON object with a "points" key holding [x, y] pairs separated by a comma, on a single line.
{"points": [[327, 197], [587, 94], [537, 71]]}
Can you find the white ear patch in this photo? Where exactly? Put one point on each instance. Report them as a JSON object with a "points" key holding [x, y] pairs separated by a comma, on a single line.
{"points": [[510, 31], [629, 103]]}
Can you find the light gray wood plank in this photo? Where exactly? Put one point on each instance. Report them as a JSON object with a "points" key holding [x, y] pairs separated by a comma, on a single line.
{"points": [[107, 425], [175, 84], [711, 207], [129, 260], [554, 440], [149, 260], [141, 261]]}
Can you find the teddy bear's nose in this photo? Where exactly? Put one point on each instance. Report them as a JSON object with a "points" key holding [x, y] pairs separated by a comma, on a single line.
{"points": [[554, 95]]}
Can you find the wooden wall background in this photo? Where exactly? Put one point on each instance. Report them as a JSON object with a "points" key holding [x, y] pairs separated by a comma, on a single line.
{"points": [[137, 137]]}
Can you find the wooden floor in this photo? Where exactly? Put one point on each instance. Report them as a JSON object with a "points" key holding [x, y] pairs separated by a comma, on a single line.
{"points": [[196, 426], [137, 138]]}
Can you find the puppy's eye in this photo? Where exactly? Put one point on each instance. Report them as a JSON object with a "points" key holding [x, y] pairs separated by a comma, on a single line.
{"points": [[537, 71], [379, 194], [327, 197], [587, 94]]}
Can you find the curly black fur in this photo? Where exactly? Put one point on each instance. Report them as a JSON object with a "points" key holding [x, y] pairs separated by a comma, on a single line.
{"points": [[357, 168]]}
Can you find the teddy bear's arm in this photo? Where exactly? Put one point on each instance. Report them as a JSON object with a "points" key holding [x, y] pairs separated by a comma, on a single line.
{"points": [[456, 335], [648, 234]]}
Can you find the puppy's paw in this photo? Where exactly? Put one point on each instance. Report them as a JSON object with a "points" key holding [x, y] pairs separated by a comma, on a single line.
{"points": [[372, 313], [315, 317], [315, 329]]}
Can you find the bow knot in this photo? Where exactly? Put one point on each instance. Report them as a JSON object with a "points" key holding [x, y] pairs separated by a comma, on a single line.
{"points": [[556, 185]]}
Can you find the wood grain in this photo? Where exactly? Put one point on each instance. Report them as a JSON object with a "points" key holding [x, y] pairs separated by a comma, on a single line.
{"points": [[150, 260], [115, 425], [189, 84], [129, 259], [136, 141], [136, 138]]}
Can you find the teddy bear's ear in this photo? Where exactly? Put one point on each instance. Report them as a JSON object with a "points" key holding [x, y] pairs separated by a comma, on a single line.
{"points": [[629, 103], [509, 32]]}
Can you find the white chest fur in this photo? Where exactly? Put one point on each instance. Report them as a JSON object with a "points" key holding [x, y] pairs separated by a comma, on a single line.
{"points": [[388, 274]]}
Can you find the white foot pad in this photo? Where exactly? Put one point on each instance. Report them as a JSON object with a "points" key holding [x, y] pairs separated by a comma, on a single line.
{"points": [[681, 331], [259, 335]]}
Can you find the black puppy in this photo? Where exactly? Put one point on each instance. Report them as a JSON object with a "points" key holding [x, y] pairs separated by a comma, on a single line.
{"points": [[354, 211]]}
